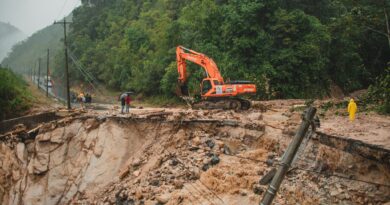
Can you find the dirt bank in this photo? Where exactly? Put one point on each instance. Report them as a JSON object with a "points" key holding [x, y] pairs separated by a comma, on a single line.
{"points": [[180, 157]]}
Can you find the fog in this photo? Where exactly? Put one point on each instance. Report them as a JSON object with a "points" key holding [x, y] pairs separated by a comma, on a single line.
{"points": [[32, 15]]}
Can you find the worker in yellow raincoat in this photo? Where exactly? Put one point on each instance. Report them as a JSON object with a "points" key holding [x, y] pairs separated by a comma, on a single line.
{"points": [[352, 108]]}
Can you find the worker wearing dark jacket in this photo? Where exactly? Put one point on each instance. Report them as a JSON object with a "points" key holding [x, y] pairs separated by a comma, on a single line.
{"points": [[123, 101]]}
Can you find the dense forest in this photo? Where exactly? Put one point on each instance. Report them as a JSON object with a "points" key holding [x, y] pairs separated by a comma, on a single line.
{"points": [[290, 49]]}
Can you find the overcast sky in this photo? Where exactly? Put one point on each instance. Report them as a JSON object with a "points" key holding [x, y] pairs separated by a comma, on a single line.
{"points": [[32, 15]]}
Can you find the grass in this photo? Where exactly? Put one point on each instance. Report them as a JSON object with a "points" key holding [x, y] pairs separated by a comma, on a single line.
{"points": [[15, 98], [160, 101]]}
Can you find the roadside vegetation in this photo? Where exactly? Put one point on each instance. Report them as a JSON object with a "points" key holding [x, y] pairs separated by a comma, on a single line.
{"points": [[15, 98], [378, 95]]}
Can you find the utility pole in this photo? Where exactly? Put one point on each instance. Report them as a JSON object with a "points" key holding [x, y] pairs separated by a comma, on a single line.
{"points": [[288, 157], [33, 75], [66, 62], [39, 70], [47, 75], [387, 25]]}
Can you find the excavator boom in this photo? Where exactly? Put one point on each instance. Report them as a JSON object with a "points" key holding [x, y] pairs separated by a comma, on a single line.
{"points": [[183, 54]]}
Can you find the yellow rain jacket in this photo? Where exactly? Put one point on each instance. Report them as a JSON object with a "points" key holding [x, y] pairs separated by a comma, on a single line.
{"points": [[352, 108]]}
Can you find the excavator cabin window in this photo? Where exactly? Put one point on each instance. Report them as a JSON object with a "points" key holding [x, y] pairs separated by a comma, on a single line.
{"points": [[206, 86]]}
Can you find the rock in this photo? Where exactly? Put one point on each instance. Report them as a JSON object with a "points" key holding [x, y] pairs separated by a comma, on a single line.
{"points": [[154, 182], [43, 137], [21, 152], [269, 162], [257, 189], [195, 173], [136, 162], [334, 193], [57, 135], [163, 199], [138, 194], [271, 155], [226, 150], [40, 163], [205, 167], [196, 141], [178, 184], [136, 173], [219, 143], [151, 202], [124, 173], [15, 175], [214, 160], [243, 192], [98, 150], [174, 162], [210, 143], [193, 148]]}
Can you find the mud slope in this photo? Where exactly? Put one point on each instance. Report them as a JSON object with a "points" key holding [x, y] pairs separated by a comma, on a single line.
{"points": [[117, 160]]}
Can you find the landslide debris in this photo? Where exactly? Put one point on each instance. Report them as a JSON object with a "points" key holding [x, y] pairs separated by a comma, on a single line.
{"points": [[179, 157]]}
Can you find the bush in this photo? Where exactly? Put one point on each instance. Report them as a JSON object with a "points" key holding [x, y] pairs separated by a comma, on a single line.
{"points": [[14, 97], [379, 93]]}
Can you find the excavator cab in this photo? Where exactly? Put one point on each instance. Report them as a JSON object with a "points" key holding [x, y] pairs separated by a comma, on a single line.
{"points": [[206, 86]]}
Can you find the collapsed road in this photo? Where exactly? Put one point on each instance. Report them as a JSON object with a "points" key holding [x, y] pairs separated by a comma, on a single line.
{"points": [[177, 156]]}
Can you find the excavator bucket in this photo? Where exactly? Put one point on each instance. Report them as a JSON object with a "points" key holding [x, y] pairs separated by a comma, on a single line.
{"points": [[182, 90]]}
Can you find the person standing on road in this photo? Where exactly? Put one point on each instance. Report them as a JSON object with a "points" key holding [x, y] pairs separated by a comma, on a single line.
{"points": [[352, 108], [81, 99], [122, 98], [128, 100]]}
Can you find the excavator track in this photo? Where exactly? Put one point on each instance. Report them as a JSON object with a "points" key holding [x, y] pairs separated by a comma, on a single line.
{"points": [[225, 104]]}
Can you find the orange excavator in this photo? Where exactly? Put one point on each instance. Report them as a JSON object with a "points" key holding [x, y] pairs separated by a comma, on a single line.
{"points": [[215, 92]]}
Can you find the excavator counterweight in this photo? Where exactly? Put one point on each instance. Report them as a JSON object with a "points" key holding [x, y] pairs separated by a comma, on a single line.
{"points": [[215, 93]]}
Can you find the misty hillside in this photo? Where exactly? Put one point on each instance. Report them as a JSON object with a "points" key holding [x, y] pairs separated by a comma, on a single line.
{"points": [[25, 54], [9, 35]]}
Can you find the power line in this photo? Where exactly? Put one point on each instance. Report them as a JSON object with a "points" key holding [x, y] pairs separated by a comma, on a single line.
{"points": [[84, 72], [62, 8]]}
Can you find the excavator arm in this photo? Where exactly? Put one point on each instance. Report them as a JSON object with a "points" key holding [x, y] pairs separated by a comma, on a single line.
{"points": [[183, 54]]}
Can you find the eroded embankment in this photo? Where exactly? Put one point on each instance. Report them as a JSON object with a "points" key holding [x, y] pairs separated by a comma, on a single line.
{"points": [[133, 161]]}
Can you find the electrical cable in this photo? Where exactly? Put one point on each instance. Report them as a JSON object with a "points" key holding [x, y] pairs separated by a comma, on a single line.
{"points": [[62, 9]]}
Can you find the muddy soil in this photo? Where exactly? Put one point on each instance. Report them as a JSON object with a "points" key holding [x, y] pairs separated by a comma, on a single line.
{"points": [[176, 156]]}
